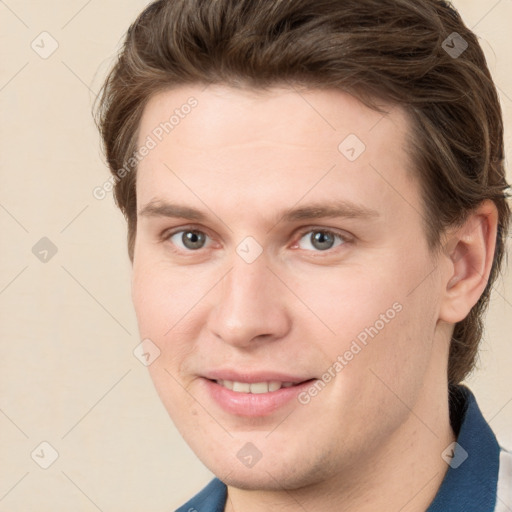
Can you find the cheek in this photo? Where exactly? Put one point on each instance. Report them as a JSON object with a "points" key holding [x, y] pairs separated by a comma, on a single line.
{"points": [[163, 297], [349, 300], [375, 323], [164, 302], [164, 305]]}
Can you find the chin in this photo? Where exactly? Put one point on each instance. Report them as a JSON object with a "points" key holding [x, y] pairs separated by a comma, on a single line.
{"points": [[269, 475], [252, 483], [252, 480]]}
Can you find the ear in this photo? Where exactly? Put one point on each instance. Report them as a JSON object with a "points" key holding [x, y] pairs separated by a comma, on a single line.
{"points": [[467, 260]]}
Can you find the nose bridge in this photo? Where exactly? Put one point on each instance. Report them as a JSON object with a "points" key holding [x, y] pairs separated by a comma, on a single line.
{"points": [[249, 304]]}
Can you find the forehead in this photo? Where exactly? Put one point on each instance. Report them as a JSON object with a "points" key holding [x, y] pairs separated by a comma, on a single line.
{"points": [[223, 137], [220, 111]]}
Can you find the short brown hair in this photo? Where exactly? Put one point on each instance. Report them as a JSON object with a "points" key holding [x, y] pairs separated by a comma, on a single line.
{"points": [[396, 51]]}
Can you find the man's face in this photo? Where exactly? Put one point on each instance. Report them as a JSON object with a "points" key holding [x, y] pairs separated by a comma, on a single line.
{"points": [[263, 286]]}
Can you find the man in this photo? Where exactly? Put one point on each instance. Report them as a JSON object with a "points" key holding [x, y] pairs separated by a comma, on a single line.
{"points": [[315, 197]]}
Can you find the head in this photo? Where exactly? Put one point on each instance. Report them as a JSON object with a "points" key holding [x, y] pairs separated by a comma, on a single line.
{"points": [[282, 109]]}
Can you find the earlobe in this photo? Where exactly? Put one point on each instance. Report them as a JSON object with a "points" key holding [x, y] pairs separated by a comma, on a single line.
{"points": [[468, 260]]}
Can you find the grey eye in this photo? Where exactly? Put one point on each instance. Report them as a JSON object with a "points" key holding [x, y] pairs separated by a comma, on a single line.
{"points": [[321, 240], [189, 239]]}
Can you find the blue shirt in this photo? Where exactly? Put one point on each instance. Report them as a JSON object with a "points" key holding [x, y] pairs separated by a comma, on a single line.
{"points": [[478, 479]]}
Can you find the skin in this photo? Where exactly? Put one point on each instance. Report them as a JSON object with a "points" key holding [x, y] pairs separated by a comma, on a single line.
{"points": [[372, 438]]}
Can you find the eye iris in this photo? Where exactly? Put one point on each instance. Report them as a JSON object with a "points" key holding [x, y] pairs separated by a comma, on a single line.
{"points": [[193, 239], [322, 240]]}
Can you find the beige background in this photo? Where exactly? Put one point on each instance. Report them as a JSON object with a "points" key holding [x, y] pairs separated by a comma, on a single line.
{"points": [[67, 372]]}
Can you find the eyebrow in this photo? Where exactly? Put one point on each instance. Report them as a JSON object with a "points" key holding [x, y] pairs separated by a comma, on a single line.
{"points": [[317, 210]]}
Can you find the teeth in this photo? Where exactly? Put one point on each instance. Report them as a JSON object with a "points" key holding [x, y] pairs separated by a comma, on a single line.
{"points": [[259, 387], [254, 387], [274, 385], [241, 387]]}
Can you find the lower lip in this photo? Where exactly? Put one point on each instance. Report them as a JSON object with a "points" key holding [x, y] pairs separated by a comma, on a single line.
{"points": [[257, 404]]}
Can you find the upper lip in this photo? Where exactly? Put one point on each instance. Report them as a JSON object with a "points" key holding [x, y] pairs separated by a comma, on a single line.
{"points": [[251, 376]]}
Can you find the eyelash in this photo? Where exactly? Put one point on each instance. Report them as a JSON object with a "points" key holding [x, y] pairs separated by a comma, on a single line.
{"points": [[345, 238]]}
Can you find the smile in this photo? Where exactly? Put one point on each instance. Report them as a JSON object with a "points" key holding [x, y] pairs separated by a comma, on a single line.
{"points": [[256, 398], [254, 387]]}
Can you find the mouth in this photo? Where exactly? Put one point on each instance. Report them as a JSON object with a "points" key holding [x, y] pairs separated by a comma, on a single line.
{"points": [[254, 396]]}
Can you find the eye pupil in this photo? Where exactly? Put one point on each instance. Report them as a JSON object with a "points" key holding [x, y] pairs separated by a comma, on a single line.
{"points": [[193, 239], [322, 240]]}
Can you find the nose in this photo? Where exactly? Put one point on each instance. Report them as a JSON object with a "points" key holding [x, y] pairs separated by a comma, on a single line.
{"points": [[250, 305]]}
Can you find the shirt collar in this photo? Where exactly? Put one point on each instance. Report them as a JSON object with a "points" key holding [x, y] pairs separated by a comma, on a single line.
{"points": [[211, 499], [471, 481]]}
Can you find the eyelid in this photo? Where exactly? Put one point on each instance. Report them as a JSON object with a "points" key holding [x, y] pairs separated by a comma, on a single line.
{"points": [[335, 231], [166, 233]]}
